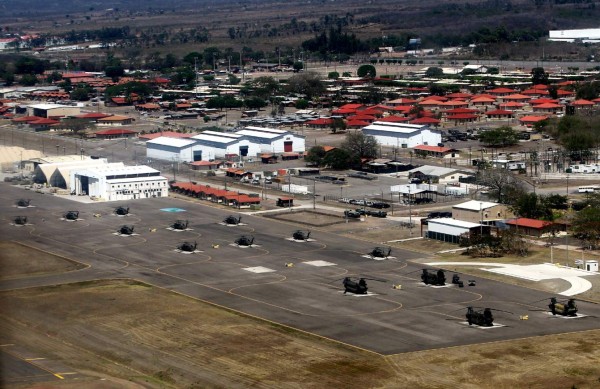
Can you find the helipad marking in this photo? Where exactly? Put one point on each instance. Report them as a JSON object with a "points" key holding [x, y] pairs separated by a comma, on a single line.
{"points": [[579, 316], [319, 263], [172, 210], [259, 269], [368, 294], [495, 325]]}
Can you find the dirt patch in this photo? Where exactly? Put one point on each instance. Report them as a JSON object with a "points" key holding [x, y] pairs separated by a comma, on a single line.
{"points": [[17, 260], [155, 338], [310, 218]]}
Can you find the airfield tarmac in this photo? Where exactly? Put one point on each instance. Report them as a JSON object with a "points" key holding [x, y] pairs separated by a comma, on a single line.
{"points": [[256, 281]]}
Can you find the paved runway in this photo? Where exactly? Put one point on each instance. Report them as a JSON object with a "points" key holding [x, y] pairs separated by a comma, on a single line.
{"points": [[255, 280]]}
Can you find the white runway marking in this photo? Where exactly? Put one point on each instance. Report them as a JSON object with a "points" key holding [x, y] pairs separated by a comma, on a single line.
{"points": [[319, 263], [259, 269]]}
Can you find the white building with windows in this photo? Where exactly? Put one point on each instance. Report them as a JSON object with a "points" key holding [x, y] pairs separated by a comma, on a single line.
{"points": [[114, 181], [403, 135], [586, 35], [211, 145]]}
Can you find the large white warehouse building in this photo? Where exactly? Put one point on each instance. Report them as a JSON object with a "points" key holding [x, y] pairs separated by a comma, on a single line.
{"points": [[114, 181], [211, 145], [403, 135]]}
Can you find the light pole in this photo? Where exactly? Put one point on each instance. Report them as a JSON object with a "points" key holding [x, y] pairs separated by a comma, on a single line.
{"points": [[409, 211], [481, 219], [57, 147]]}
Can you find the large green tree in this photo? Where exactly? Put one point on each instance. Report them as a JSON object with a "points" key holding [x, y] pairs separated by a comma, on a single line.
{"points": [[366, 71], [499, 137], [359, 145], [586, 226], [308, 84]]}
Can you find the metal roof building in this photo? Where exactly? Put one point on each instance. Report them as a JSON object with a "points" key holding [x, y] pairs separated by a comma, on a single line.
{"points": [[403, 135]]}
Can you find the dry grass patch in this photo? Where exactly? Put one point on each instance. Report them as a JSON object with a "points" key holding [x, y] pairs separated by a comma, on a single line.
{"points": [[17, 260]]}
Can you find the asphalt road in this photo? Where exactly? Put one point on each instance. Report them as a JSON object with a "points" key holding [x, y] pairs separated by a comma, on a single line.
{"points": [[304, 296]]}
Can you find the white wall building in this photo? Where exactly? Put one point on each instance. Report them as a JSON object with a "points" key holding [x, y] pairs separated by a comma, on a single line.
{"points": [[113, 182], [272, 140], [211, 145], [450, 230], [587, 35], [170, 149], [403, 135], [52, 110]]}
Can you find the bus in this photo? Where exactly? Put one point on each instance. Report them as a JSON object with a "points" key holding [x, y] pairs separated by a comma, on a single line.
{"points": [[589, 188]]}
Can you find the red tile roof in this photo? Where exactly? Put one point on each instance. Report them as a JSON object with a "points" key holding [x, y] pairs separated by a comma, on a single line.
{"points": [[461, 116], [498, 91], [582, 103], [425, 120], [435, 149], [393, 119], [460, 110], [531, 223], [533, 119]]}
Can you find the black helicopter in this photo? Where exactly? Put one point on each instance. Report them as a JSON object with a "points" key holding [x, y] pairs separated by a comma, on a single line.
{"points": [[122, 211], [482, 319], [20, 220], [179, 225], [568, 308], [379, 252], [438, 278], [301, 235], [23, 203], [126, 230], [187, 247], [244, 240], [232, 220], [356, 287], [71, 215]]}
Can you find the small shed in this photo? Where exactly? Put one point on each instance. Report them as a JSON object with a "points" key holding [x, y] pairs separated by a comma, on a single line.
{"points": [[285, 202]]}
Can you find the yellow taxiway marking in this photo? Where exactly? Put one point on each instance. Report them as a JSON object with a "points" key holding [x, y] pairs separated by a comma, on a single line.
{"points": [[6, 345], [34, 359]]}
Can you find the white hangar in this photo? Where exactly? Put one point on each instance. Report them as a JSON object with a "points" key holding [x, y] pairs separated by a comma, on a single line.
{"points": [[172, 149], [272, 140], [211, 145], [403, 135], [115, 181]]}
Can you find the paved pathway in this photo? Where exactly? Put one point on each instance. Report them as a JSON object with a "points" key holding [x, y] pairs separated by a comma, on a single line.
{"points": [[538, 272]]}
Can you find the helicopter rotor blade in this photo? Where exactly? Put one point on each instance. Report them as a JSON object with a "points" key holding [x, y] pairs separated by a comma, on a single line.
{"points": [[374, 279]]}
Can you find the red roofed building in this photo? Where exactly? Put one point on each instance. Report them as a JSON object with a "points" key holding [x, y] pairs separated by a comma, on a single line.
{"points": [[435, 151], [582, 103], [512, 106], [460, 96], [320, 123], [401, 101], [93, 116], [564, 93], [206, 165], [43, 124], [462, 118], [547, 108], [501, 91], [499, 114], [482, 101], [393, 119], [533, 227], [515, 97], [115, 133], [355, 123], [530, 120], [425, 120]]}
